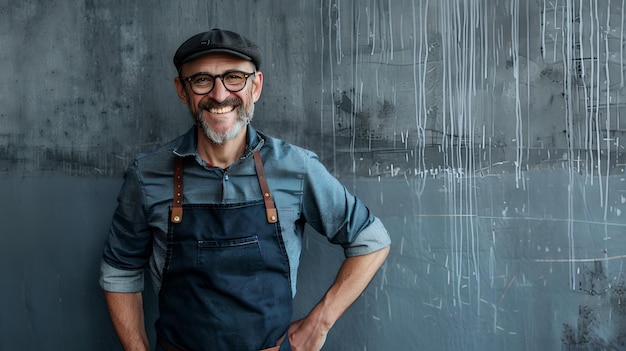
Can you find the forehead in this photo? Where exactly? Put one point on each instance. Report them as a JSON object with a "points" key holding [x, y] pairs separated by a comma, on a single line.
{"points": [[216, 63]]}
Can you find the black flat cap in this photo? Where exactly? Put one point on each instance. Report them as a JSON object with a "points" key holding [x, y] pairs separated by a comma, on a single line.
{"points": [[217, 41]]}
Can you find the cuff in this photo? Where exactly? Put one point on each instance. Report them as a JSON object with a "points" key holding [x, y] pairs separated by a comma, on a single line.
{"points": [[373, 238], [121, 280]]}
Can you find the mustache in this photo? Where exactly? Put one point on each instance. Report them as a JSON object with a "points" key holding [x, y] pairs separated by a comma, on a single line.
{"points": [[209, 104]]}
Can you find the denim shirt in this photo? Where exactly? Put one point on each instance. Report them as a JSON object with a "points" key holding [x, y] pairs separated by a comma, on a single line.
{"points": [[303, 190]]}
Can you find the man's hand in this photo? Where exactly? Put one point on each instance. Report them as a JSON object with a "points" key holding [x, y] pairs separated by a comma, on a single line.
{"points": [[309, 333], [306, 334]]}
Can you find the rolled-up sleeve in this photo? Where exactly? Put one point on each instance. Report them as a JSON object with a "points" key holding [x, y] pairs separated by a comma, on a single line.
{"points": [[129, 244], [342, 217], [121, 280], [372, 238]]}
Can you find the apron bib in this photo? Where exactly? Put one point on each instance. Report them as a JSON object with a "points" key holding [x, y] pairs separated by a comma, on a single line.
{"points": [[226, 282]]}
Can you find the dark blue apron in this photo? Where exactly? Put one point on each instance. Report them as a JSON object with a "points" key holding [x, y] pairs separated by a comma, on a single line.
{"points": [[226, 282]]}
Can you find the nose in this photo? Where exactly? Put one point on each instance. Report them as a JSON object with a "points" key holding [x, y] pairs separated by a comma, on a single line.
{"points": [[219, 92]]}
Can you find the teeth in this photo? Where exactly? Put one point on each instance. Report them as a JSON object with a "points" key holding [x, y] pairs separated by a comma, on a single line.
{"points": [[222, 110]]}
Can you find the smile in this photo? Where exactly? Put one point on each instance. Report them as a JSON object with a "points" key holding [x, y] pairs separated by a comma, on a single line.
{"points": [[220, 110]]}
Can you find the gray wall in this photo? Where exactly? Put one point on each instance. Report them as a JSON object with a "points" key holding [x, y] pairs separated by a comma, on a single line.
{"points": [[486, 134]]}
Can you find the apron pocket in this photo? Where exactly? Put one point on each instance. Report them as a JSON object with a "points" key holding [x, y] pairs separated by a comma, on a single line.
{"points": [[236, 257]]}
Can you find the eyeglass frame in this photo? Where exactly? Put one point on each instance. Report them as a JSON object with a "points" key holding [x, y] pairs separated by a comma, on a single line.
{"points": [[246, 75]]}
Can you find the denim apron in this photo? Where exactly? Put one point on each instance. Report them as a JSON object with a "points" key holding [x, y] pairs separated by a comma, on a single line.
{"points": [[226, 282]]}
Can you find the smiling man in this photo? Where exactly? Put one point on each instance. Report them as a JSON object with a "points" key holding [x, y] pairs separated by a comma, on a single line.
{"points": [[217, 216]]}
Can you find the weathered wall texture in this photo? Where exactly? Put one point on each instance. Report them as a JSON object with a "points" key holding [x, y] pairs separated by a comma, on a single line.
{"points": [[486, 134]]}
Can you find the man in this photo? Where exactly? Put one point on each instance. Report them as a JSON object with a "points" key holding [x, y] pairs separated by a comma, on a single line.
{"points": [[218, 216]]}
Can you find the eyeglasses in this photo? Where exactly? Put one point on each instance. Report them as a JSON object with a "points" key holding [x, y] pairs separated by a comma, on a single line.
{"points": [[203, 83]]}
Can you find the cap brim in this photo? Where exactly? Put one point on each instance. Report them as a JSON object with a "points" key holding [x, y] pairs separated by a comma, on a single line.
{"points": [[215, 51]]}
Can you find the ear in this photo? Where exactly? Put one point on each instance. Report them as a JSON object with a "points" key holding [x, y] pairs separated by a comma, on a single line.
{"points": [[179, 85], [257, 86]]}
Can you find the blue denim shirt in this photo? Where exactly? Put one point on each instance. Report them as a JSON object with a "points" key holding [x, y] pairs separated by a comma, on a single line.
{"points": [[303, 190]]}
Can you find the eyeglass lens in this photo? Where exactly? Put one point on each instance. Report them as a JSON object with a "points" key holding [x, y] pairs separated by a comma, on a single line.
{"points": [[203, 83]]}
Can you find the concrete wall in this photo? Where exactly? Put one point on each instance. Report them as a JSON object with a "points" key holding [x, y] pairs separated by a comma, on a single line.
{"points": [[486, 134]]}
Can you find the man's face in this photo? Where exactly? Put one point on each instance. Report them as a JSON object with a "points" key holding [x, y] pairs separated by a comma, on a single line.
{"points": [[221, 114]]}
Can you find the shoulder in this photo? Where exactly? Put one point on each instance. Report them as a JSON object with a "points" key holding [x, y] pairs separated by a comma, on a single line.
{"points": [[275, 148], [162, 158]]}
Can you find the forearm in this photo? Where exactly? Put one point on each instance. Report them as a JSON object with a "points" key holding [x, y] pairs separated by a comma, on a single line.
{"points": [[353, 277], [126, 310]]}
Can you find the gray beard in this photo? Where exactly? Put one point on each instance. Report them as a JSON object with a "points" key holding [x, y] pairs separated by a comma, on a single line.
{"points": [[219, 138]]}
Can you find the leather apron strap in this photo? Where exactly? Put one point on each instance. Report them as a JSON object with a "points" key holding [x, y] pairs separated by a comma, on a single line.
{"points": [[270, 207], [177, 200]]}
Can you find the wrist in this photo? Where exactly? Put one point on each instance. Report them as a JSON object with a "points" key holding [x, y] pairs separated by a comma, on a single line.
{"points": [[325, 314]]}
